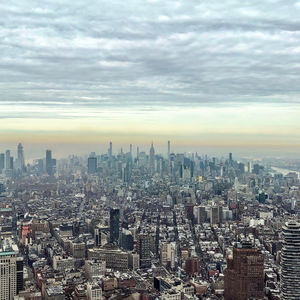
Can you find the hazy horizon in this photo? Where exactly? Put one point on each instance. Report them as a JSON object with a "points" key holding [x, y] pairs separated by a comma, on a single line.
{"points": [[60, 151]]}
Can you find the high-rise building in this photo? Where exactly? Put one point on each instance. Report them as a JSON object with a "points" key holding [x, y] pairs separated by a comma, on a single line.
{"points": [[49, 162], [152, 158], [214, 215], [201, 214], [7, 160], [2, 161], [127, 240], [114, 225], [192, 266], [110, 150], [244, 276], [11, 167], [11, 270], [290, 262], [143, 249], [169, 149], [21, 160], [92, 165]]}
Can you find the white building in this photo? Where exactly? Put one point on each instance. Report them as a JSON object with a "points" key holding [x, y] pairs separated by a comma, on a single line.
{"points": [[94, 291], [8, 269]]}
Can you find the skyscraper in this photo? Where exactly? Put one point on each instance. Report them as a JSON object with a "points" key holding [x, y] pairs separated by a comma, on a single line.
{"points": [[2, 161], [244, 276], [143, 249], [92, 165], [21, 161], [7, 160], [152, 157], [169, 148], [114, 225], [290, 262], [11, 270], [110, 150], [50, 163]]}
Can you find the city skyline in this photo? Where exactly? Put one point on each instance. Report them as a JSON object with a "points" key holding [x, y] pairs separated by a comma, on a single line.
{"points": [[205, 74]]}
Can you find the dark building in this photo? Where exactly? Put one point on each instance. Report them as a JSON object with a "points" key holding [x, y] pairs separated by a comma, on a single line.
{"points": [[7, 160], [192, 266], [11, 163], [92, 165], [97, 236], [2, 161], [114, 225], [127, 240], [244, 276], [143, 249], [20, 276], [50, 163]]}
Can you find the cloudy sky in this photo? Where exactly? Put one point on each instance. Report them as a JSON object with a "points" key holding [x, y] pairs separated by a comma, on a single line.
{"points": [[203, 73]]}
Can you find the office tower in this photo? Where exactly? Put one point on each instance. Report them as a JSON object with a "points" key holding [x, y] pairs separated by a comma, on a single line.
{"points": [[20, 274], [2, 161], [130, 150], [290, 262], [125, 172], [214, 215], [97, 237], [220, 211], [7, 160], [201, 214], [192, 266], [143, 249], [152, 158], [114, 225], [127, 240], [244, 276], [137, 152], [93, 154], [11, 270], [49, 162], [21, 161], [110, 150], [11, 163], [169, 147], [92, 165], [230, 157]]}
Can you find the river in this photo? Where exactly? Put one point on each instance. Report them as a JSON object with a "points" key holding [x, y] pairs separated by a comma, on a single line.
{"points": [[284, 171]]}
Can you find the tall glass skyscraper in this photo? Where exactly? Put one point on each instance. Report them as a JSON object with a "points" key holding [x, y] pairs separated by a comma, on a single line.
{"points": [[49, 162], [290, 262], [21, 160], [7, 160], [114, 225]]}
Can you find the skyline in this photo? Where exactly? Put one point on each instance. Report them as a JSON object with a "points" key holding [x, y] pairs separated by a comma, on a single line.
{"points": [[37, 151], [216, 75]]}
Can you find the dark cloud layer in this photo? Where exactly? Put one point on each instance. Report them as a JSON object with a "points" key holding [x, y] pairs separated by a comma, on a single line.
{"points": [[152, 54]]}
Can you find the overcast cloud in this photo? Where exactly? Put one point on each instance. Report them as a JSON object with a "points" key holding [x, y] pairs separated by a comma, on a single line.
{"points": [[99, 55]]}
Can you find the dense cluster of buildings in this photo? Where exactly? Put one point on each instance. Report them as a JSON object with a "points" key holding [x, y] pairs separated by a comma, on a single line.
{"points": [[147, 226]]}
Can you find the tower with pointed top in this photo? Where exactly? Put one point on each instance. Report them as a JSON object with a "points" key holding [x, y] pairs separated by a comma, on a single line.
{"points": [[152, 158]]}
